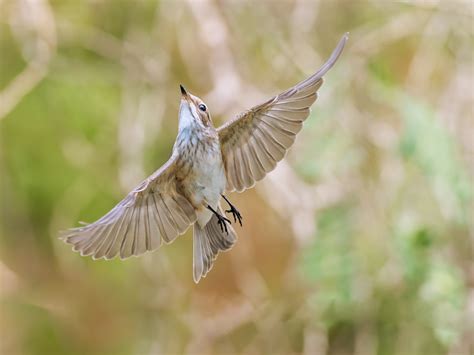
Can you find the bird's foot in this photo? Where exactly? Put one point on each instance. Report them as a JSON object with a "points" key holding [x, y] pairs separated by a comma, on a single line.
{"points": [[222, 223], [221, 220], [235, 212]]}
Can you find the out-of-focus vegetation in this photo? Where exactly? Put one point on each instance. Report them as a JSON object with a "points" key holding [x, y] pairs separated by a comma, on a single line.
{"points": [[360, 242]]}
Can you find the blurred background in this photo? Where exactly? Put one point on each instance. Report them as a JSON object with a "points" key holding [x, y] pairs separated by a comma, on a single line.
{"points": [[360, 242]]}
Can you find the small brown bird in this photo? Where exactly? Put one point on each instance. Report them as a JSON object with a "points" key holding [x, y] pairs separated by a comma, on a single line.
{"points": [[204, 164]]}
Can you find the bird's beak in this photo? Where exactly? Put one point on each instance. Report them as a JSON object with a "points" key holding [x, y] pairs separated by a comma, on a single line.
{"points": [[183, 92]]}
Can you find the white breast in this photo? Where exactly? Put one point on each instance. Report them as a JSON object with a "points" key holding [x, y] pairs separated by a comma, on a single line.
{"points": [[210, 179], [202, 147]]}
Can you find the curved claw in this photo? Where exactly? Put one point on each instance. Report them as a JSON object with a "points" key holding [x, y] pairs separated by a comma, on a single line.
{"points": [[236, 214], [222, 223], [234, 211]]}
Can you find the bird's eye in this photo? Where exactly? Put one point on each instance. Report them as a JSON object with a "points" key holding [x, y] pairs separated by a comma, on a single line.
{"points": [[202, 107]]}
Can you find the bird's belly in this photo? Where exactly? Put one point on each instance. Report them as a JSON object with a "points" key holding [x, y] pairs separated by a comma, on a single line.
{"points": [[210, 184]]}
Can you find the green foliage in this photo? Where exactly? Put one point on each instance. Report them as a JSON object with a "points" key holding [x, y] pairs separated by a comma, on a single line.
{"points": [[433, 150]]}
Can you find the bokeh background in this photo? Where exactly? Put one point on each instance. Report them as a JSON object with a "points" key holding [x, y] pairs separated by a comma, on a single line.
{"points": [[360, 242]]}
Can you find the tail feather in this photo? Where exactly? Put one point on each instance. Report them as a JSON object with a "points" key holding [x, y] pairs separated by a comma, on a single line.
{"points": [[207, 243]]}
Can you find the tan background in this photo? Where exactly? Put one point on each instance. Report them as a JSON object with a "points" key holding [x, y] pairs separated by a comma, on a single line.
{"points": [[360, 242]]}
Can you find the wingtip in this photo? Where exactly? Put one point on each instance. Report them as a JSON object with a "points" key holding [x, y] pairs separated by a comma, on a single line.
{"points": [[62, 235], [333, 57], [344, 39], [342, 42]]}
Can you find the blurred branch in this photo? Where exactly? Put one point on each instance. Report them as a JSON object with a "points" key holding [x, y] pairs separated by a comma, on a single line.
{"points": [[206, 330], [422, 65], [32, 23], [315, 341], [298, 201], [214, 33], [127, 53], [20, 86]]}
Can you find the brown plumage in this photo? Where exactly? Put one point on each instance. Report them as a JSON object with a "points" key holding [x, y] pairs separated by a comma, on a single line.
{"points": [[205, 162]]}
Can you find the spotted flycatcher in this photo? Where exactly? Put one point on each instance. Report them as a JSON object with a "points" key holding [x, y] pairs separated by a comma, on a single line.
{"points": [[204, 164]]}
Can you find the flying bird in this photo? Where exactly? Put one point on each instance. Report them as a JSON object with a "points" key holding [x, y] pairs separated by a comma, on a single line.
{"points": [[204, 164]]}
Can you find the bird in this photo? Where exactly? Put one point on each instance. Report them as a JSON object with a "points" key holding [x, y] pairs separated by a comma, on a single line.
{"points": [[205, 163]]}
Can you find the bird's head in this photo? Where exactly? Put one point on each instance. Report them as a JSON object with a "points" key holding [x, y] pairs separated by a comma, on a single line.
{"points": [[193, 111]]}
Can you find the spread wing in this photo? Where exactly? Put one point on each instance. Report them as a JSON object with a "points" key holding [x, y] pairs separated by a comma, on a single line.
{"points": [[255, 141], [153, 212]]}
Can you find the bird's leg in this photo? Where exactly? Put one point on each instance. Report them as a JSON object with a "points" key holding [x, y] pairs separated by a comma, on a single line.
{"points": [[221, 220], [234, 211]]}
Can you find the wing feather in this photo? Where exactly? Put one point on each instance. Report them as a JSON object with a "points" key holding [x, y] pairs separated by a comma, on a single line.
{"points": [[126, 246], [255, 141], [152, 213], [115, 245], [258, 170], [262, 153]]}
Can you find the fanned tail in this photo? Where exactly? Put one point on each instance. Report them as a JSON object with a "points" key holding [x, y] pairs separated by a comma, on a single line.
{"points": [[207, 243]]}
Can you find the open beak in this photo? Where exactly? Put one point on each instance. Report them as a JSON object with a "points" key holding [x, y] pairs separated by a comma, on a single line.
{"points": [[183, 92]]}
